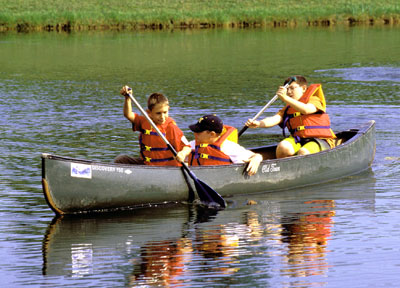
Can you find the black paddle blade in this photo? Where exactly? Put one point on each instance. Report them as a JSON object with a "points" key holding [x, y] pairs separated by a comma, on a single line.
{"points": [[208, 195]]}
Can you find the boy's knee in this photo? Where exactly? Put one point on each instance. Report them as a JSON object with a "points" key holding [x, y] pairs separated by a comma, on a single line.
{"points": [[284, 149], [303, 151]]}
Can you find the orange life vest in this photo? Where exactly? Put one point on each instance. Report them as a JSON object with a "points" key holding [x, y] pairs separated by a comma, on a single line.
{"points": [[153, 149], [211, 154], [315, 125]]}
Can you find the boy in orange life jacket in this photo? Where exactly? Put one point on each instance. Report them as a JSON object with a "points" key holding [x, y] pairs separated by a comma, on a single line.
{"points": [[212, 146], [153, 149], [304, 115]]}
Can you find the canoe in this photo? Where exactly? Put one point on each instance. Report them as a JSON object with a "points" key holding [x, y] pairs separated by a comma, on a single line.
{"points": [[76, 185]]}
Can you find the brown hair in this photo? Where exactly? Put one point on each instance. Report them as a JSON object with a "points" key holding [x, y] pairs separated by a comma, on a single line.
{"points": [[156, 98], [301, 80]]}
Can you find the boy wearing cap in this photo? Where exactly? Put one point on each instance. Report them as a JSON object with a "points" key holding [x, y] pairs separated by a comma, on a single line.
{"points": [[153, 149], [305, 117], [213, 147]]}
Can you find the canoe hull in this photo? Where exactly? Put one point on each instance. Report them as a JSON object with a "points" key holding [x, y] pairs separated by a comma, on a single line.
{"points": [[73, 185]]}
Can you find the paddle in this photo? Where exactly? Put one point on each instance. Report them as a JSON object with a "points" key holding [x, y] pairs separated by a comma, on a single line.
{"points": [[207, 195], [266, 106]]}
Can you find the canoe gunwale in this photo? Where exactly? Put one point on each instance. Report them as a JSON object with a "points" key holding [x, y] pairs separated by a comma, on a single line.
{"points": [[358, 133]]}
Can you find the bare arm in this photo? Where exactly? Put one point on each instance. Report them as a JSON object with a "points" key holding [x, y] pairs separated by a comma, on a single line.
{"points": [[254, 163], [303, 108], [183, 154], [128, 113], [300, 106], [265, 123]]}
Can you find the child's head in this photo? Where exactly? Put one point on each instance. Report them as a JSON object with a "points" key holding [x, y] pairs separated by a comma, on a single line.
{"points": [[156, 98], [301, 80], [158, 106], [207, 129], [297, 88]]}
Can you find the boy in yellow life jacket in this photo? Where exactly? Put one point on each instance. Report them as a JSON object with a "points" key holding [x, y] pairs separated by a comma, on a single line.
{"points": [[213, 145], [304, 116], [153, 150]]}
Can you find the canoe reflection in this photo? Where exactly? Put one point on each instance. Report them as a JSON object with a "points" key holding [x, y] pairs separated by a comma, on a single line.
{"points": [[171, 246]]}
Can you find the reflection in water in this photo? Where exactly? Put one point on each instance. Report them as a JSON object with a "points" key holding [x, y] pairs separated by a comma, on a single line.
{"points": [[81, 258], [307, 236], [163, 263], [182, 246]]}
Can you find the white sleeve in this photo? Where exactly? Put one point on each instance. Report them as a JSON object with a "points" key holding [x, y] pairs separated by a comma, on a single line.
{"points": [[192, 144], [184, 140], [237, 153]]}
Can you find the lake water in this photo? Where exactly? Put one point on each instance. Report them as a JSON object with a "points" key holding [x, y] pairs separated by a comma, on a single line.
{"points": [[59, 93]]}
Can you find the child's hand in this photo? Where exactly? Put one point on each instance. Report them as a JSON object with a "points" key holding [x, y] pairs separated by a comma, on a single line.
{"points": [[254, 163], [180, 156], [282, 92], [125, 90], [252, 123]]}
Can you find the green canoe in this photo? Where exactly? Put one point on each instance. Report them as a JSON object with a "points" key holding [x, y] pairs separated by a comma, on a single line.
{"points": [[74, 185]]}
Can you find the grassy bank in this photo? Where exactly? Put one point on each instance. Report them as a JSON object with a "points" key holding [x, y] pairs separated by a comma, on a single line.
{"points": [[67, 15]]}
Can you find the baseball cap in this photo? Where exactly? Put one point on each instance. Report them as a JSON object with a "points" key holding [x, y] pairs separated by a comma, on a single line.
{"points": [[209, 122]]}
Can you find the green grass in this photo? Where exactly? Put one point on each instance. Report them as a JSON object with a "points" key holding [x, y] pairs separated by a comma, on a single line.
{"points": [[125, 14]]}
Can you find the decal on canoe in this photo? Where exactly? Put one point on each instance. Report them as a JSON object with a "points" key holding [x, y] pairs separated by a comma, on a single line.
{"points": [[270, 168], [81, 170], [107, 168]]}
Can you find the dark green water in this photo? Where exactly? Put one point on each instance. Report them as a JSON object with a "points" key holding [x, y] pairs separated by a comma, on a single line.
{"points": [[59, 94]]}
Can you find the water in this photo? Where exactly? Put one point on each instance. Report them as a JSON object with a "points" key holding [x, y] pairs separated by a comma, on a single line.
{"points": [[59, 94]]}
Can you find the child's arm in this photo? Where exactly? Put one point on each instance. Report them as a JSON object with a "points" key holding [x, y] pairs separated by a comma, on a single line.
{"points": [[181, 156], [254, 162], [239, 154], [265, 123], [128, 113], [179, 141], [303, 108]]}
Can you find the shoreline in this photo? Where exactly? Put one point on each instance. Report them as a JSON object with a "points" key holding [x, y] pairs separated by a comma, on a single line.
{"points": [[128, 15], [68, 27]]}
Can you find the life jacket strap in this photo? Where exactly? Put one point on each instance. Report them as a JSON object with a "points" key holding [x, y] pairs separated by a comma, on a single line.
{"points": [[149, 132], [206, 156], [207, 145], [148, 159], [148, 148], [203, 155], [301, 128]]}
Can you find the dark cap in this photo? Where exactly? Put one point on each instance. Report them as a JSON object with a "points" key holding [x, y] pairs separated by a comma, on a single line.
{"points": [[208, 122]]}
